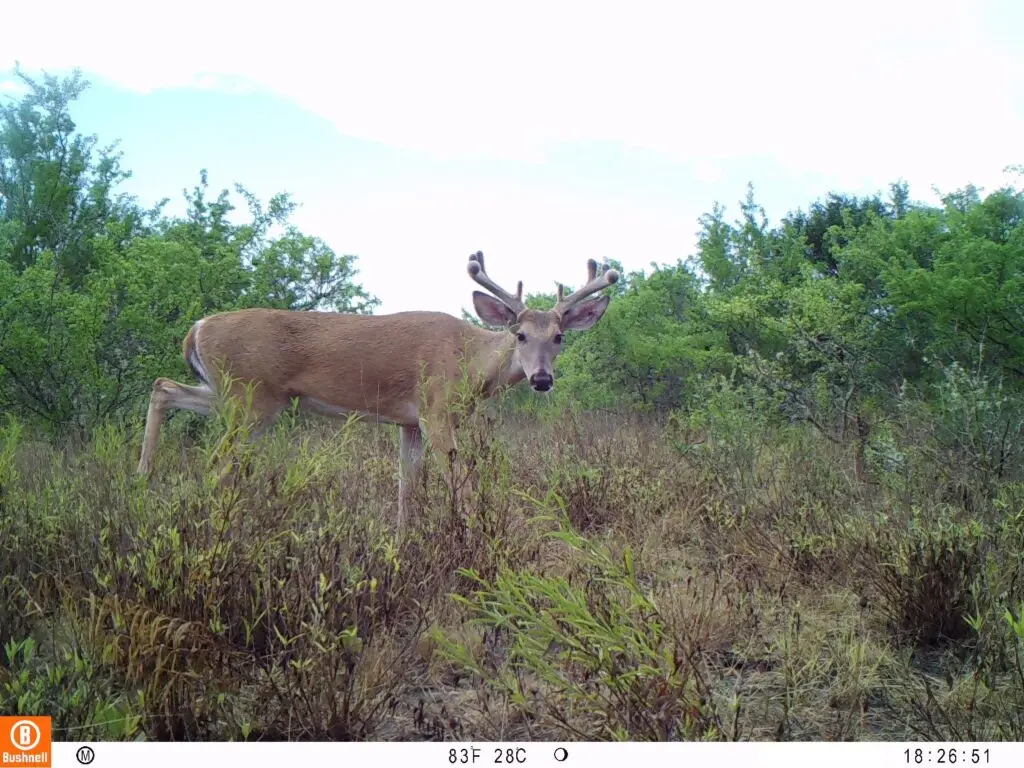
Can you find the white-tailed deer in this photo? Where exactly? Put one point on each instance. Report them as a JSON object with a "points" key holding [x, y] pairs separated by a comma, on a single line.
{"points": [[394, 368]]}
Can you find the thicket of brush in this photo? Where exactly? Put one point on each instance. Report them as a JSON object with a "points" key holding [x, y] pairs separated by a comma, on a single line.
{"points": [[593, 576]]}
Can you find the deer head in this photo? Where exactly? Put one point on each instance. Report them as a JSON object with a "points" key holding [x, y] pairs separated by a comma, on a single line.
{"points": [[538, 333]]}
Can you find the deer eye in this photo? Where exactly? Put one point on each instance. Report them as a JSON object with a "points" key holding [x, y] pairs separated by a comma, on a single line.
{"points": [[558, 338], [522, 337]]}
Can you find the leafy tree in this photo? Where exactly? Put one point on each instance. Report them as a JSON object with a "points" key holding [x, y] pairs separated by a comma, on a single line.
{"points": [[835, 311], [56, 185], [966, 301], [653, 337]]}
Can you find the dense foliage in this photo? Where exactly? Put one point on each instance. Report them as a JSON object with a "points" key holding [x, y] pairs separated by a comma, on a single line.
{"points": [[840, 311]]}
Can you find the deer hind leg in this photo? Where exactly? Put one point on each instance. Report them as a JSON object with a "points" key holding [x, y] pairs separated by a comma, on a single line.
{"points": [[170, 394], [410, 471]]}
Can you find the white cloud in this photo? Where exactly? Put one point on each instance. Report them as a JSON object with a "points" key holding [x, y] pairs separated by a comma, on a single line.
{"points": [[875, 89]]}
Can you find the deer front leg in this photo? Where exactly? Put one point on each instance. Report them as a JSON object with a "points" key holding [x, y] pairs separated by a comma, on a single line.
{"points": [[410, 469], [440, 429]]}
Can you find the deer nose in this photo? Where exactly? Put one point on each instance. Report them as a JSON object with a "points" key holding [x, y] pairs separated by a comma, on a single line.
{"points": [[541, 381]]}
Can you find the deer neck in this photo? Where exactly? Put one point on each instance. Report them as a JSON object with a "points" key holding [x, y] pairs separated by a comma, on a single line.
{"points": [[494, 359]]}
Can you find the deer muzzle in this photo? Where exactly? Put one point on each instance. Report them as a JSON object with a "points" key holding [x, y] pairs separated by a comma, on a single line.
{"points": [[542, 381]]}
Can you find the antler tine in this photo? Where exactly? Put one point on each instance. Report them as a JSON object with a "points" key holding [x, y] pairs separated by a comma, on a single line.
{"points": [[594, 284], [478, 273]]}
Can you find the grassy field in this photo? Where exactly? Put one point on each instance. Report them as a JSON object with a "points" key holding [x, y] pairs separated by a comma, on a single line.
{"points": [[597, 576]]}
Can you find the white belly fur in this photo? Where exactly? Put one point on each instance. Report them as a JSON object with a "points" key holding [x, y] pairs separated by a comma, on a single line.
{"points": [[321, 408]]}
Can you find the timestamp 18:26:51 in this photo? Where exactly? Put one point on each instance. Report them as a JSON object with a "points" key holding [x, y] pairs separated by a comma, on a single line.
{"points": [[950, 756]]}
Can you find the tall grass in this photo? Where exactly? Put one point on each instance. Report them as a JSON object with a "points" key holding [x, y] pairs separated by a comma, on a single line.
{"points": [[593, 576]]}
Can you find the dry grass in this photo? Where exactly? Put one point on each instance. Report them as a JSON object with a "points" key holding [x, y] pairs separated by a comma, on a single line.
{"points": [[598, 577]]}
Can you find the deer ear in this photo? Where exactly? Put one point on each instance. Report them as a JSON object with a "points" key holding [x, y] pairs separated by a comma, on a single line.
{"points": [[582, 316], [491, 310]]}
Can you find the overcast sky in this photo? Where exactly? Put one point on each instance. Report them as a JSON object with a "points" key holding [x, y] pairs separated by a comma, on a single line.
{"points": [[542, 133]]}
